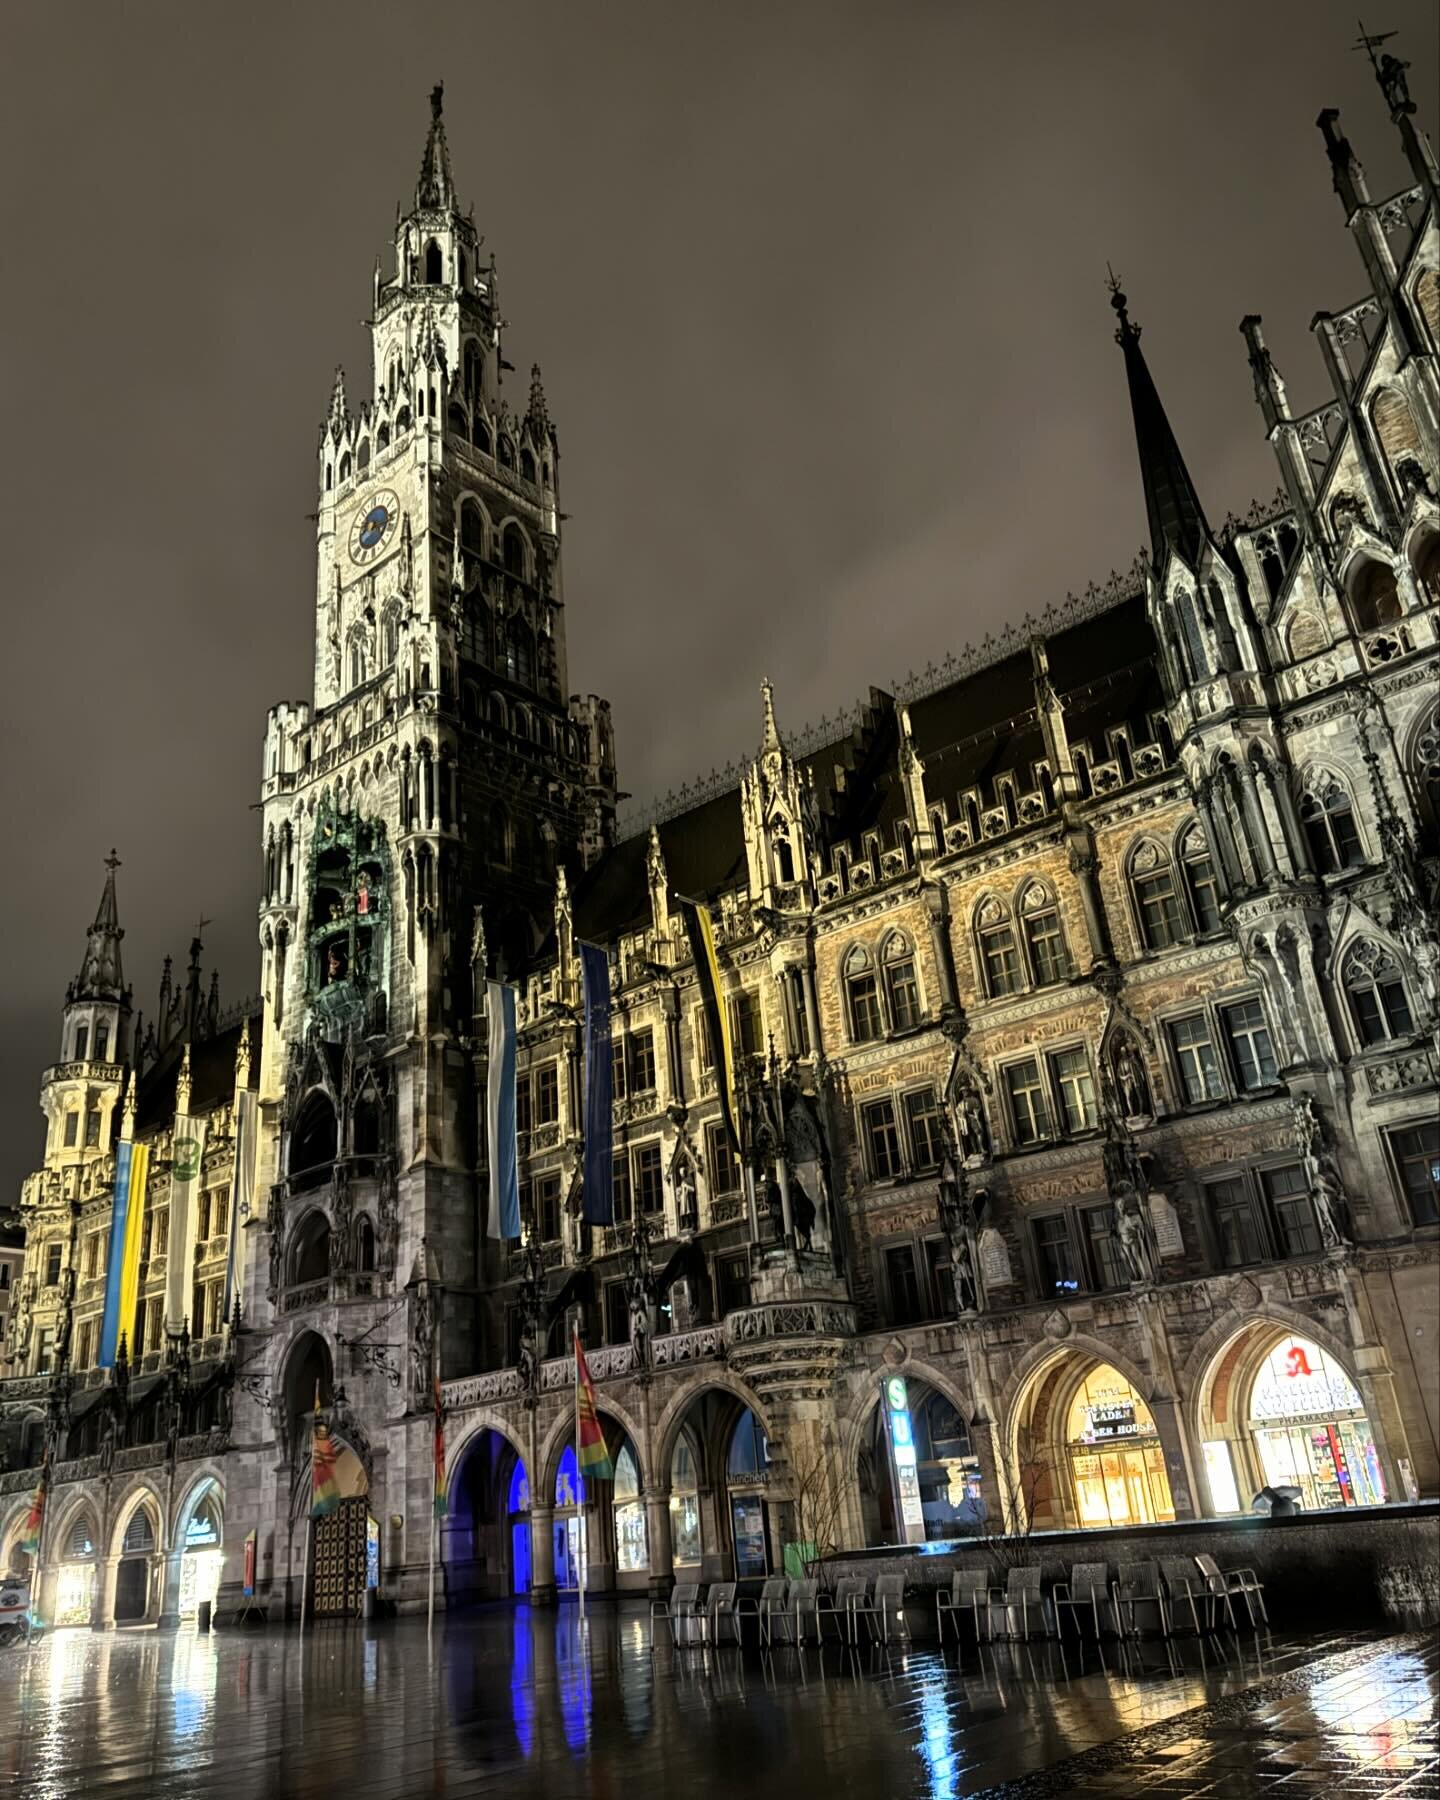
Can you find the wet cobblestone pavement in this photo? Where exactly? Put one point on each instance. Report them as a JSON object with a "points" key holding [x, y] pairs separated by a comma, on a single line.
{"points": [[517, 1704]]}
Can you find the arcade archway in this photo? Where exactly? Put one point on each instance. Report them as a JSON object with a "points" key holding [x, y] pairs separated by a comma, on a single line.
{"points": [[1276, 1409], [615, 1548], [716, 1456], [199, 1538], [485, 1537], [1085, 1450], [947, 1468]]}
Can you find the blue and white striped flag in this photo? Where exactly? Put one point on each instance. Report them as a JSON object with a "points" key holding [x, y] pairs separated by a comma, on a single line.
{"points": [[597, 1195], [503, 1220]]}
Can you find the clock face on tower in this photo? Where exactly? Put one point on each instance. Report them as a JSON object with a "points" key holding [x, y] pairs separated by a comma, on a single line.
{"points": [[373, 526]]}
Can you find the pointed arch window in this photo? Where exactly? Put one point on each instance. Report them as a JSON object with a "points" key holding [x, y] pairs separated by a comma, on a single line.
{"points": [[862, 995], [390, 635], [480, 436], [1374, 595], [1044, 939], [1157, 904], [1201, 888], [434, 264], [513, 540], [1330, 828], [527, 466], [507, 453], [1375, 987], [902, 989], [501, 836], [999, 954]]}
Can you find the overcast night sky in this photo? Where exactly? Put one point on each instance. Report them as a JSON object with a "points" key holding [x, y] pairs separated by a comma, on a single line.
{"points": [[818, 290]]}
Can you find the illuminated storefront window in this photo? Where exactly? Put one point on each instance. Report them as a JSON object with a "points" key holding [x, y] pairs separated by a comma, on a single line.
{"points": [[684, 1506], [747, 1469], [1310, 1429], [75, 1584], [1116, 1461], [200, 1565], [632, 1551]]}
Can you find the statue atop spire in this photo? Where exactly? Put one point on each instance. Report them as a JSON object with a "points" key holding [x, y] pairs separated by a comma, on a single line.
{"points": [[436, 186]]}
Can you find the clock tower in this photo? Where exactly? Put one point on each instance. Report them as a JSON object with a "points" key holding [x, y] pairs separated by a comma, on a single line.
{"points": [[418, 815]]}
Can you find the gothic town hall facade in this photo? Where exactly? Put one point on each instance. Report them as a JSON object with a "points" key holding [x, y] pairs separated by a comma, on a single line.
{"points": [[1084, 1000]]}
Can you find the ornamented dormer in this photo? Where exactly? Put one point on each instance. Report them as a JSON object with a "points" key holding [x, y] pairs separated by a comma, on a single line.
{"points": [[778, 808]]}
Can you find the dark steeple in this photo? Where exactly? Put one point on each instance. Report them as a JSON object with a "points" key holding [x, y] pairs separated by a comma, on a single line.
{"points": [[1177, 520], [101, 977], [436, 186]]}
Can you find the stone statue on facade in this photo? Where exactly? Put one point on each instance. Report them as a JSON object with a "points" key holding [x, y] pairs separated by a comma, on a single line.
{"points": [[974, 1132], [527, 1359], [959, 1214], [1130, 1079], [1132, 1229], [1327, 1195]]}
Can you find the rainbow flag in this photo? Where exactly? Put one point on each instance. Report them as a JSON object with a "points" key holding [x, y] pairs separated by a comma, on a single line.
{"points": [[324, 1484], [590, 1452], [35, 1519], [440, 1506]]}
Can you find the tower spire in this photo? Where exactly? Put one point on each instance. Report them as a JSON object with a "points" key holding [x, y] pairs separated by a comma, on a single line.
{"points": [[1172, 506], [436, 186], [101, 977]]}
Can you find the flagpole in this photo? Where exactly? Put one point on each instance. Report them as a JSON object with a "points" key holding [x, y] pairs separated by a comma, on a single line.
{"points": [[434, 1474], [305, 1579]]}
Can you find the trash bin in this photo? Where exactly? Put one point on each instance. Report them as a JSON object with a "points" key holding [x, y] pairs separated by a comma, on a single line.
{"points": [[202, 1616]]}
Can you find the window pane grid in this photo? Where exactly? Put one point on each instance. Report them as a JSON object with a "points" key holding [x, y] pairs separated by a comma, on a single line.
{"points": [[1195, 1057], [1002, 961], [1076, 1088], [1028, 1106], [922, 1115], [904, 995], [1160, 919], [865, 1009], [1250, 1044], [1417, 1155], [882, 1141], [1047, 949]]}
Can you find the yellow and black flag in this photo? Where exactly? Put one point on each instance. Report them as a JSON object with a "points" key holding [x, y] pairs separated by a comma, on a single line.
{"points": [[717, 1016]]}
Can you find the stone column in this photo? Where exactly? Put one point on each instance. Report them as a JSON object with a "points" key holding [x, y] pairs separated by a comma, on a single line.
{"points": [[941, 946], [102, 1611], [812, 1014], [171, 1567], [1179, 1469], [542, 1555], [1253, 815], [717, 1554], [1085, 867], [660, 1542]]}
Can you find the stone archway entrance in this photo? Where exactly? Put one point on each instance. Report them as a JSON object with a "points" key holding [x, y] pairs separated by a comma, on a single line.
{"points": [[1277, 1410], [485, 1537], [947, 1470], [1086, 1450]]}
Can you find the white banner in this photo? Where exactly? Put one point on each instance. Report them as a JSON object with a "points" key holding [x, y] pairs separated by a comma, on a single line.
{"points": [[187, 1154], [242, 1198]]}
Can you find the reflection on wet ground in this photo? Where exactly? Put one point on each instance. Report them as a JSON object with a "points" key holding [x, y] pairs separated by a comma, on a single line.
{"points": [[532, 1703]]}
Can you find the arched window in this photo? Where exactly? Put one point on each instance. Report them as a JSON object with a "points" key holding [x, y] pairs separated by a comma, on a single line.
{"points": [[1374, 597], [139, 1537], [329, 476], [1044, 940], [513, 547], [784, 855], [501, 836], [527, 465], [364, 1245], [82, 1043], [382, 438], [345, 466], [390, 635], [434, 264], [455, 420], [749, 1454], [1330, 828], [1201, 889], [480, 435], [685, 1505], [1193, 638], [358, 670], [863, 997], [632, 1551], [999, 956], [1376, 989], [80, 1544], [902, 989], [520, 722], [472, 529], [507, 452], [521, 659], [313, 1141], [1157, 905], [362, 455], [402, 419], [310, 1253], [472, 365]]}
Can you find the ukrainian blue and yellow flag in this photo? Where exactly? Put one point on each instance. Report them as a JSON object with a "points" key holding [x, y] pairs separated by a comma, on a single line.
{"points": [[122, 1271]]}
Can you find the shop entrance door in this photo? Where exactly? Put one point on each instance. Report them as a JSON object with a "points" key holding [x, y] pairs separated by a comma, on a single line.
{"points": [[132, 1586]]}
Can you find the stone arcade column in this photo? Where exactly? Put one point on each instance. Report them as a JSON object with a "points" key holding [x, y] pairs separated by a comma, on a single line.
{"points": [[661, 1544], [996, 1478], [542, 1553], [1165, 1406], [102, 1610], [171, 1569]]}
